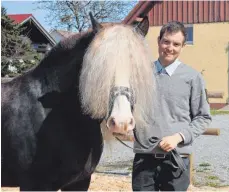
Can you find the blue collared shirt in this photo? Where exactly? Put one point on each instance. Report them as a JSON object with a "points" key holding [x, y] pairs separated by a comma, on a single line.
{"points": [[169, 70]]}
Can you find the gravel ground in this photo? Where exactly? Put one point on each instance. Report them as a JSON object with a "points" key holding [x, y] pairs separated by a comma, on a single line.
{"points": [[213, 151], [211, 157]]}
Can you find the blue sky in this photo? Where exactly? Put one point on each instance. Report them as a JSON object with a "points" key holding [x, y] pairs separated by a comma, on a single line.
{"points": [[26, 7]]}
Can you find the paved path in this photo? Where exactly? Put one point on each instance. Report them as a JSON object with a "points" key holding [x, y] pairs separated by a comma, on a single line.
{"points": [[211, 156]]}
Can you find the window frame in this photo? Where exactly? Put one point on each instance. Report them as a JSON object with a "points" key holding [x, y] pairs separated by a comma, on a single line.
{"points": [[190, 26]]}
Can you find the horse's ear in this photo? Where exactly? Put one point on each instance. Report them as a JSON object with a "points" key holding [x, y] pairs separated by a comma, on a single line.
{"points": [[143, 26], [95, 25]]}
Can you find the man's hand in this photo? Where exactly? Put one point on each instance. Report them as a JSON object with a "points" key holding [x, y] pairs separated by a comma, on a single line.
{"points": [[168, 143]]}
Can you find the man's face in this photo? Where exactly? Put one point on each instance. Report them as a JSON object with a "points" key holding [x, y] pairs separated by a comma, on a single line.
{"points": [[169, 47]]}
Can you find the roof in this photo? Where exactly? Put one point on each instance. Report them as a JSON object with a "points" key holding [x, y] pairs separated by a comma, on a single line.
{"points": [[23, 18], [141, 9], [19, 18], [187, 12]]}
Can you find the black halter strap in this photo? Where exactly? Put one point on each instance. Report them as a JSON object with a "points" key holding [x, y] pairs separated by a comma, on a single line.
{"points": [[117, 91]]}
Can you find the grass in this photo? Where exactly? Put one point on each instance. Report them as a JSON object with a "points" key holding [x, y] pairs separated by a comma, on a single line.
{"points": [[216, 112], [130, 168], [213, 184], [206, 169], [212, 177], [204, 164], [196, 183]]}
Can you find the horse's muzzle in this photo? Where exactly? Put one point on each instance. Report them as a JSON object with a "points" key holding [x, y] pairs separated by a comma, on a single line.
{"points": [[120, 127]]}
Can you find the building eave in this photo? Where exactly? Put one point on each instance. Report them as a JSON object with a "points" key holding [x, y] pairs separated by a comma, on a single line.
{"points": [[140, 10], [41, 29]]}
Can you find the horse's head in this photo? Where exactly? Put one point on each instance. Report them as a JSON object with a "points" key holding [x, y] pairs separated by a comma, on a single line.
{"points": [[117, 80]]}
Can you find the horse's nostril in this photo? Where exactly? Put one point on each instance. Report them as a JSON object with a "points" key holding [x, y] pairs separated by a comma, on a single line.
{"points": [[111, 122], [131, 121]]}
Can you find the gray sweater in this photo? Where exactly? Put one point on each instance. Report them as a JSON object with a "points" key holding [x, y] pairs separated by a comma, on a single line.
{"points": [[182, 108]]}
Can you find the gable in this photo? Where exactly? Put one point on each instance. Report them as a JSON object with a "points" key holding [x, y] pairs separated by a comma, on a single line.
{"points": [[34, 30], [19, 18]]}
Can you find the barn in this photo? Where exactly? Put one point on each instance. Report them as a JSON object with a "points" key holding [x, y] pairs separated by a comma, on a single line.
{"points": [[207, 49]]}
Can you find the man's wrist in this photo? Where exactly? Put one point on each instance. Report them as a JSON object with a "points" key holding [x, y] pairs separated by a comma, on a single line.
{"points": [[178, 137]]}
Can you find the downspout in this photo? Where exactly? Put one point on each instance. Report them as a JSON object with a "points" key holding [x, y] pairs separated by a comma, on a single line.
{"points": [[227, 100]]}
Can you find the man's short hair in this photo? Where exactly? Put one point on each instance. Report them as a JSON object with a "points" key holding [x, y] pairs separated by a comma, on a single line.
{"points": [[173, 27]]}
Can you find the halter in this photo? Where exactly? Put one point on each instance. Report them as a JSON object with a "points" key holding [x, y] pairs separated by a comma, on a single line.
{"points": [[128, 92], [117, 91]]}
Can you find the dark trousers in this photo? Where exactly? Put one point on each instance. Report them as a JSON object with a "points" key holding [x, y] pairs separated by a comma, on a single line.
{"points": [[152, 174]]}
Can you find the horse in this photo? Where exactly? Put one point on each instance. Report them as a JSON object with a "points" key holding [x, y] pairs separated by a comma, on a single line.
{"points": [[53, 115]]}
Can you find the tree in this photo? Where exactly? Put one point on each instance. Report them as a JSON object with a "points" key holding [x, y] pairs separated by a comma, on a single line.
{"points": [[17, 54], [74, 14]]}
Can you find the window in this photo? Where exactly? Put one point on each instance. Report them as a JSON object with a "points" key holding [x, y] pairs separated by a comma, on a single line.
{"points": [[35, 46], [189, 30], [41, 48]]}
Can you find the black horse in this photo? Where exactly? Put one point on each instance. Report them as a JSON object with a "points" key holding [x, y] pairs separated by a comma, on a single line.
{"points": [[50, 139]]}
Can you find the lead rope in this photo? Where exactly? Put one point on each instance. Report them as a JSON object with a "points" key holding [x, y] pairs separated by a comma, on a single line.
{"points": [[155, 142]]}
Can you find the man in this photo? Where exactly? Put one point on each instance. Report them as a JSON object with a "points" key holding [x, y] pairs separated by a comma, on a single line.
{"points": [[183, 115]]}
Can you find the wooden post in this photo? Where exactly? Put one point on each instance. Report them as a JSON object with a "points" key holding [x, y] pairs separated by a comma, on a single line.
{"points": [[212, 131], [215, 94], [191, 168]]}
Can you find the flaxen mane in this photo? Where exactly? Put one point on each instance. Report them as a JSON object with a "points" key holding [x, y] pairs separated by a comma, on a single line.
{"points": [[115, 46]]}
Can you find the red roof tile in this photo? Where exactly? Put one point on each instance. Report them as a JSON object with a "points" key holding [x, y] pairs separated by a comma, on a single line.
{"points": [[19, 18]]}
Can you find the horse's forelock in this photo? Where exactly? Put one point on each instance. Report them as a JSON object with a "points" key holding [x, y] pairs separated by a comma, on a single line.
{"points": [[114, 46]]}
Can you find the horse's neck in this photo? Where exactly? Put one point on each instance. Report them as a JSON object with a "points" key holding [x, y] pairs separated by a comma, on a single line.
{"points": [[59, 78], [55, 85], [58, 74], [59, 70]]}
